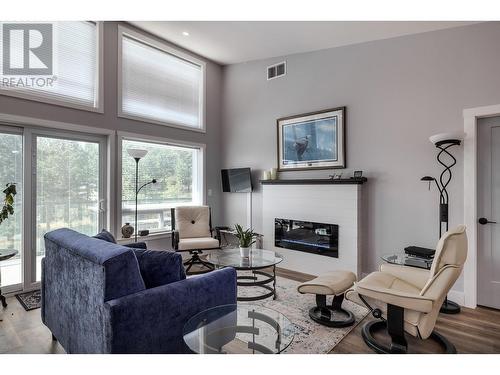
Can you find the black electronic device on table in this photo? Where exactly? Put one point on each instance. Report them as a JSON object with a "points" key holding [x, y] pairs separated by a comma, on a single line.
{"points": [[420, 252]]}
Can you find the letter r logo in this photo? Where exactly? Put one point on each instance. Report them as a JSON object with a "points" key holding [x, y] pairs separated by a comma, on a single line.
{"points": [[27, 48]]}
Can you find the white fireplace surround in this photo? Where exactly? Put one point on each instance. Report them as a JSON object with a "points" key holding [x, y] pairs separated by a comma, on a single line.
{"points": [[326, 203]]}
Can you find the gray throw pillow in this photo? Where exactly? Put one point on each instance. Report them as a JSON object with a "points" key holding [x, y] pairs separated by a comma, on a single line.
{"points": [[105, 236]]}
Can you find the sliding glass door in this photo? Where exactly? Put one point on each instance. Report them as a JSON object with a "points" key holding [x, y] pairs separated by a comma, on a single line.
{"points": [[11, 171], [67, 188], [61, 179]]}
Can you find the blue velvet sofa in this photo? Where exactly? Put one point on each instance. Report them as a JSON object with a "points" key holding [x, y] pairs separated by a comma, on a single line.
{"points": [[100, 297]]}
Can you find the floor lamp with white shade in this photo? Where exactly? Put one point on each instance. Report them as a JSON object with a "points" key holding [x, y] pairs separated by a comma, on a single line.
{"points": [[444, 141], [138, 154]]}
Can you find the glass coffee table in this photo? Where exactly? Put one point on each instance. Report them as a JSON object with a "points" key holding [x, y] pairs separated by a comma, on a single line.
{"points": [[238, 329], [257, 261]]}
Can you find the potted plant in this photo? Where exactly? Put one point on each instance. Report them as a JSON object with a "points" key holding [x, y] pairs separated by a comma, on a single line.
{"points": [[8, 205], [246, 239]]}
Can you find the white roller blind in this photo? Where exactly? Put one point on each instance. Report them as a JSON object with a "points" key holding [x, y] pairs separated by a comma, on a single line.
{"points": [[75, 65], [160, 86]]}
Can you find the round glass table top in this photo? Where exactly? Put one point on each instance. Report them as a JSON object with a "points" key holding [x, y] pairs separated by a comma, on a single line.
{"points": [[238, 329], [232, 258], [7, 253], [407, 260]]}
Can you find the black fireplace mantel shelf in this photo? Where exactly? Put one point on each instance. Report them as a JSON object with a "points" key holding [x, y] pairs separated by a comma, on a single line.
{"points": [[312, 181]]}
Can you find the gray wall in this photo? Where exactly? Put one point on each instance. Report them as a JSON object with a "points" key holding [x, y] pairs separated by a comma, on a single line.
{"points": [[398, 92], [110, 120]]}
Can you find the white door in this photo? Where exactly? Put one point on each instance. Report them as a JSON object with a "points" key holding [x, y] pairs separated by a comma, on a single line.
{"points": [[489, 212]]}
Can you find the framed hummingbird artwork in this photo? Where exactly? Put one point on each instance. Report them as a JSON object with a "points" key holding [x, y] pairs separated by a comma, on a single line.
{"points": [[312, 140]]}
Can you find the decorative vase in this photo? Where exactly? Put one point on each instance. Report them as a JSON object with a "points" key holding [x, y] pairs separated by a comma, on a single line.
{"points": [[266, 175], [127, 230], [273, 173], [245, 251]]}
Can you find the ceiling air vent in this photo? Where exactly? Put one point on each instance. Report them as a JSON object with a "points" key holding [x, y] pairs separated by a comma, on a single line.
{"points": [[276, 70]]}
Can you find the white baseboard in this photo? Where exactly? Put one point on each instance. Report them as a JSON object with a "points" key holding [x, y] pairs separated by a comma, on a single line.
{"points": [[457, 296]]}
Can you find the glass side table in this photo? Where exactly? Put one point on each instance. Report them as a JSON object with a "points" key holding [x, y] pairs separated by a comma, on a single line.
{"points": [[403, 259]]}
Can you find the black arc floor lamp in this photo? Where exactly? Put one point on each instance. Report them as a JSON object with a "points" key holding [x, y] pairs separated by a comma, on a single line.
{"points": [[443, 142], [138, 154]]}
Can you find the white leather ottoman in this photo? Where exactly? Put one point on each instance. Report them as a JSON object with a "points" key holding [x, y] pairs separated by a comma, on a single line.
{"points": [[334, 283]]}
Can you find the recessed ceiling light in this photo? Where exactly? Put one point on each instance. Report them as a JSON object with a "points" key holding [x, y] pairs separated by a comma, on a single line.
{"points": [[185, 33]]}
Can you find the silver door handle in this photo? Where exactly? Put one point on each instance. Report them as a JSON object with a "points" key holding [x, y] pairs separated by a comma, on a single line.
{"points": [[102, 205]]}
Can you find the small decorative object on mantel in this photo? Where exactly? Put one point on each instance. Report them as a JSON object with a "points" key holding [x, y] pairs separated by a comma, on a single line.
{"points": [[266, 175], [273, 173], [358, 174], [312, 140], [127, 230], [246, 239], [336, 176]]}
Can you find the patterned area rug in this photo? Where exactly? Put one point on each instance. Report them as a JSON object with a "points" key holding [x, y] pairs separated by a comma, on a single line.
{"points": [[310, 337], [30, 300]]}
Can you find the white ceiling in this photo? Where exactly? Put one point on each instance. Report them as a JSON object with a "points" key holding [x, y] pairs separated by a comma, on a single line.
{"points": [[230, 42]]}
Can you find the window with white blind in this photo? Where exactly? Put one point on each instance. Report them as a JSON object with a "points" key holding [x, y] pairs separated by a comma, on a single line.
{"points": [[75, 78], [178, 172], [160, 84]]}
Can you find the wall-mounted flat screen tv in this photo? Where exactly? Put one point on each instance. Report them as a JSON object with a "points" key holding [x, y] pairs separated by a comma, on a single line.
{"points": [[236, 180]]}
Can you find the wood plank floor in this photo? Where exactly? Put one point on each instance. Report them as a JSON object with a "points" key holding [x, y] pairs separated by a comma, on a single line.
{"points": [[472, 331], [23, 331]]}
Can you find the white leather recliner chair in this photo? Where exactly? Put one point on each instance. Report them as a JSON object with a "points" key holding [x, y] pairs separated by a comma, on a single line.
{"points": [[408, 299]]}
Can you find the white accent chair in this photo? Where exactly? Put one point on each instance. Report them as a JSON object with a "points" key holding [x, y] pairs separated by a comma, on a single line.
{"points": [[408, 299], [192, 231]]}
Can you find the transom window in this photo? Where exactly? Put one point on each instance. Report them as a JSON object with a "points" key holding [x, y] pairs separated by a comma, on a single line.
{"points": [[160, 84], [74, 79]]}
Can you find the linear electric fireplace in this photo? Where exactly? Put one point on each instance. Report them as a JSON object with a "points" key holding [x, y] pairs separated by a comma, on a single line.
{"points": [[307, 236]]}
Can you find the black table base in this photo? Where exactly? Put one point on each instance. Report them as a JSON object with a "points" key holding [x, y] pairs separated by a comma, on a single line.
{"points": [[449, 307], [373, 326], [269, 278]]}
